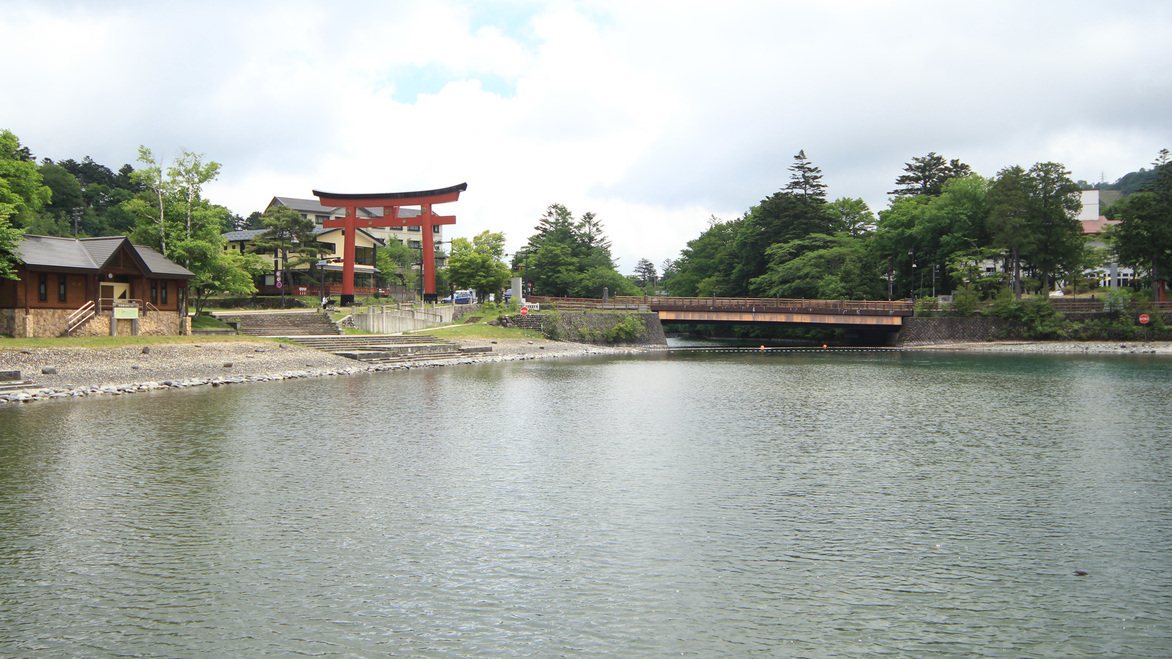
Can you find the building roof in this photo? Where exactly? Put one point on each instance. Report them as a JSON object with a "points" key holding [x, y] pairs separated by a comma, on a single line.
{"points": [[250, 234], [1096, 226], [92, 255], [314, 207]]}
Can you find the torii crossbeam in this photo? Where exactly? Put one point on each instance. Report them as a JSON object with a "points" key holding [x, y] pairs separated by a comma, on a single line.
{"points": [[390, 202]]}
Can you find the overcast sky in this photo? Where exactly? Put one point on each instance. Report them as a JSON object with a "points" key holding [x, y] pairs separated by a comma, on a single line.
{"points": [[653, 115]]}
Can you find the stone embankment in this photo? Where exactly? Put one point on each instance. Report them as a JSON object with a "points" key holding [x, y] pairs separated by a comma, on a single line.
{"points": [[74, 372]]}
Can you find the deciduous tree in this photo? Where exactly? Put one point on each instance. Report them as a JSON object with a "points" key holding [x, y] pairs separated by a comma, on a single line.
{"points": [[477, 264]]}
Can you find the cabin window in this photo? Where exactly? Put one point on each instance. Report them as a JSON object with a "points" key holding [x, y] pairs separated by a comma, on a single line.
{"points": [[43, 287], [154, 291], [163, 291], [61, 281]]}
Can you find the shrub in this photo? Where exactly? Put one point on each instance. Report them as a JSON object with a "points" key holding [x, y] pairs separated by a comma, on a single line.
{"points": [[926, 305], [625, 330], [965, 301]]}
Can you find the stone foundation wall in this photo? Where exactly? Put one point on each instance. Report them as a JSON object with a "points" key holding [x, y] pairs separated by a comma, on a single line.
{"points": [[8, 322], [919, 331], [45, 323]]}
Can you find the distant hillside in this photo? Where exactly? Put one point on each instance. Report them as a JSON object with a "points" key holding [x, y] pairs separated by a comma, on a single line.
{"points": [[1130, 183], [1109, 193]]}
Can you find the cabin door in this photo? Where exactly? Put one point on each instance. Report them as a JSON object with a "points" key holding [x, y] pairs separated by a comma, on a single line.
{"points": [[115, 291]]}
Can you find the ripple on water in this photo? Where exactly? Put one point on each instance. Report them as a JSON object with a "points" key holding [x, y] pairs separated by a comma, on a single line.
{"points": [[811, 505]]}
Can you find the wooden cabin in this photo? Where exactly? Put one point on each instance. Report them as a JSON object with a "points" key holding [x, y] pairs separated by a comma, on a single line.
{"points": [[103, 286]]}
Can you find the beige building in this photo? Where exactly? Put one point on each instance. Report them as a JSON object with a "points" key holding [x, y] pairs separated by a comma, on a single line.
{"points": [[312, 209]]}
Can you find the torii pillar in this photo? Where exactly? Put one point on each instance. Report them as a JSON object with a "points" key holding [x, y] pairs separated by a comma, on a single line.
{"points": [[390, 203]]}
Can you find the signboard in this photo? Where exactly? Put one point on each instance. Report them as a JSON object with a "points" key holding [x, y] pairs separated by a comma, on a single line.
{"points": [[1143, 319], [278, 279], [125, 313], [524, 311]]}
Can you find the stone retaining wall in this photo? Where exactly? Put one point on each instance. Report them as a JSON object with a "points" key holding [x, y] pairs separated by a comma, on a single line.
{"points": [[588, 327], [917, 331]]}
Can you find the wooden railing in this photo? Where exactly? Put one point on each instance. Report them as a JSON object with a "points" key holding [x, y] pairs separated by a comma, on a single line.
{"points": [[80, 317], [644, 303]]}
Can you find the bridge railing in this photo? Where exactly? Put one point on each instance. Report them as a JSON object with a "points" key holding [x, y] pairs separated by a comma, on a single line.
{"points": [[645, 303], [589, 304], [774, 303]]}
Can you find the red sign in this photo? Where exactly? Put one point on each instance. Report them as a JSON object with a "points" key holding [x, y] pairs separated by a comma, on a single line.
{"points": [[1143, 319], [524, 311]]}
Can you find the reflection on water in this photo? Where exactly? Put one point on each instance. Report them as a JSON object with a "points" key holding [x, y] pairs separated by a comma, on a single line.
{"points": [[713, 505]]}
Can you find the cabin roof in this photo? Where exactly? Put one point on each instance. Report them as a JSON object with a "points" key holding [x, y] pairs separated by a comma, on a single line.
{"points": [[92, 255]]}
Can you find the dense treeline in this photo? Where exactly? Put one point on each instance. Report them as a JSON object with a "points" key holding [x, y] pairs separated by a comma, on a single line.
{"points": [[944, 230]]}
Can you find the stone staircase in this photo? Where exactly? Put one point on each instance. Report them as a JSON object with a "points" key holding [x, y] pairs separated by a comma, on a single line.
{"points": [[386, 348], [533, 321], [308, 322]]}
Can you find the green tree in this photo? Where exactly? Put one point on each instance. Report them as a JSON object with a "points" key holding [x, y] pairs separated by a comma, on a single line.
{"points": [[477, 264], [701, 269], [806, 179], [57, 217], [921, 234], [394, 261], [224, 271], [1008, 218], [852, 217], [290, 237], [187, 176], [151, 208], [10, 238], [22, 190], [926, 175], [1056, 241], [568, 257], [820, 266], [1143, 239], [645, 273]]}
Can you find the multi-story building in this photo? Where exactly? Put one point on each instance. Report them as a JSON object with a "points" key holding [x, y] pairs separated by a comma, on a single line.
{"points": [[312, 209]]}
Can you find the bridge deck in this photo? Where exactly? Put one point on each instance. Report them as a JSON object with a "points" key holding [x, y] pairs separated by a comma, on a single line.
{"points": [[879, 314]]}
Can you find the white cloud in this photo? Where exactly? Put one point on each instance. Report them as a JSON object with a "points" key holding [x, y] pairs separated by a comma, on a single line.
{"points": [[655, 115]]}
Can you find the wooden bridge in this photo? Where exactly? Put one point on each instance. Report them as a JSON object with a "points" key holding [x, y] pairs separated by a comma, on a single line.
{"points": [[857, 314]]}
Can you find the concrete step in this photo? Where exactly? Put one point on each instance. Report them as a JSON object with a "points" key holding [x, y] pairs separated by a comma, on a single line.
{"points": [[280, 323]]}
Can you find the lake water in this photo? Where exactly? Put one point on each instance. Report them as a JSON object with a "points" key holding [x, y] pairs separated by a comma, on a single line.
{"points": [[814, 505]]}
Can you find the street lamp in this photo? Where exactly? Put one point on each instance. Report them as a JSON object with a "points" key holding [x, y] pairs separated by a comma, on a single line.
{"points": [[912, 283], [322, 272], [284, 274]]}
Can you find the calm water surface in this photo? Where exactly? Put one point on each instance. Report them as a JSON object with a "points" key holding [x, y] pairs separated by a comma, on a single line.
{"points": [[812, 505]]}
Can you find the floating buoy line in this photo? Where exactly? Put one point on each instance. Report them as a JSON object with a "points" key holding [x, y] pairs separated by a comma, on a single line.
{"points": [[781, 349]]}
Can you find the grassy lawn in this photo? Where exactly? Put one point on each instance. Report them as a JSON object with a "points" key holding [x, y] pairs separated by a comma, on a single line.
{"points": [[479, 331]]}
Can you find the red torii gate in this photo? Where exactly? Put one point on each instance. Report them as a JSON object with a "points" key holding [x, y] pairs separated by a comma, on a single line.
{"points": [[390, 202]]}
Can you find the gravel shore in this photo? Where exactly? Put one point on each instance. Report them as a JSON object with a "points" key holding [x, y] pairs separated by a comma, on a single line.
{"points": [[1056, 347], [71, 372]]}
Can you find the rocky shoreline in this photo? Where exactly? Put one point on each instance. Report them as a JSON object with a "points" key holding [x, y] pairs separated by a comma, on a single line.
{"points": [[1055, 347], [74, 372]]}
